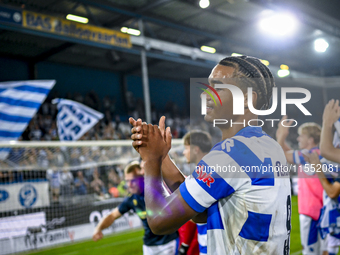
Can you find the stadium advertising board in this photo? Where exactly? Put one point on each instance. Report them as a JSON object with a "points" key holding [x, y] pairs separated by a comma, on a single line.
{"points": [[59, 224], [45, 238], [17, 225], [12, 16], [50, 24], [23, 195]]}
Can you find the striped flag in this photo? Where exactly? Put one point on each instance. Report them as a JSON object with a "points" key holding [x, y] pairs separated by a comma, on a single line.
{"points": [[74, 119], [19, 102]]}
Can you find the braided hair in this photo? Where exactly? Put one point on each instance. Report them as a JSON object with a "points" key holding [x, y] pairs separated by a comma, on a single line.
{"points": [[261, 78]]}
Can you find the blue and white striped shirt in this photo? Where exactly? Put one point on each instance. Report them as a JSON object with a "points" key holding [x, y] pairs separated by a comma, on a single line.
{"points": [[248, 211]]}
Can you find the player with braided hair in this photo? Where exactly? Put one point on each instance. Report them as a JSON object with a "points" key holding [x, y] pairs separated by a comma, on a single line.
{"points": [[261, 79], [246, 205]]}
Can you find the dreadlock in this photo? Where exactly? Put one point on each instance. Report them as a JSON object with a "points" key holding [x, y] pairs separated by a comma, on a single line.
{"points": [[262, 80]]}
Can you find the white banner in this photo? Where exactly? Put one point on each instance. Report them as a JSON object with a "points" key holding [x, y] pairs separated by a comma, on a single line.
{"points": [[74, 119], [64, 235], [17, 225], [23, 195]]}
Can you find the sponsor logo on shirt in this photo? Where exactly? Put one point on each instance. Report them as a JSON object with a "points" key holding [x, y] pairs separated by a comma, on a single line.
{"points": [[204, 176]]}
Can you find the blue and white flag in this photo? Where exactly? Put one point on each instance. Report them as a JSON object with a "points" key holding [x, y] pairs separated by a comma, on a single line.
{"points": [[19, 102], [74, 119]]}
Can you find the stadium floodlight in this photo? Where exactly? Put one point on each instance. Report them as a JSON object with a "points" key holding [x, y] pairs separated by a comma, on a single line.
{"points": [[283, 73], [77, 18], [130, 31], [236, 54], [284, 67], [204, 3], [208, 49], [320, 45], [282, 24], [265, 62]]}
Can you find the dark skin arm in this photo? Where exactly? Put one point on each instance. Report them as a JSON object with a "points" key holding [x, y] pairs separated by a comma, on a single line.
{"points": [[165, 215]]}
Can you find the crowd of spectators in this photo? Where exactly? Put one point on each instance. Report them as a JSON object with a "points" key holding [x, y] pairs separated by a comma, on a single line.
{"points": [[82, 171]]}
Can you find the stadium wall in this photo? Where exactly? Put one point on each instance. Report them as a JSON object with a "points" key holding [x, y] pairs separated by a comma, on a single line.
{"points": [[59, 224], [81, 79]]}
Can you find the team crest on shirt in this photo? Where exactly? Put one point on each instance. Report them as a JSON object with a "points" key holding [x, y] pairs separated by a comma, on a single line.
{"points": [[203, 176], [135, 202]]}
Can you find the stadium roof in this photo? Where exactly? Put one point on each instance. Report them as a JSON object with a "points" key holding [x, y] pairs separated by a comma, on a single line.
{"points": [[229, 26]]}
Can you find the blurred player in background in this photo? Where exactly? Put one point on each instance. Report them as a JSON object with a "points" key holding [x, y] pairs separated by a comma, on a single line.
{"points": [[197, 144], [331, 185], [153, 244], [247, 213], [309, 188]]}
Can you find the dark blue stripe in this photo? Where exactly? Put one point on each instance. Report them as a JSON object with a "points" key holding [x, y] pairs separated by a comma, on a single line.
{"points": [[177, 246], [17, 119], [10, 134], [202, 229], [5, 149], [301, 157], [251, 131], [313, 233], [189, 199], [17, 102], [214, 217], [243, 156], [203, 249], [256, 227], [28, 88], [219, 188]]}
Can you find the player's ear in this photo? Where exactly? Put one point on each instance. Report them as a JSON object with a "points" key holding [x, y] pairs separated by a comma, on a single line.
{"points": [[254, 99]]}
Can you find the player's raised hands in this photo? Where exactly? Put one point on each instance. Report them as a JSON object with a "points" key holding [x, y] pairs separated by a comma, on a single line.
{"points": [[312, 158], [137, 132], [154, 146], [331, 112], [283, 131]]}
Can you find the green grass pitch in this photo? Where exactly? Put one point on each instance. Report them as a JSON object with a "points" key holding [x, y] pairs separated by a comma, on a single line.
{"points": [[131, 242]]}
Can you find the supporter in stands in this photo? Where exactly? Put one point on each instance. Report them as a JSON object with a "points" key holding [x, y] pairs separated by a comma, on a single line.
{"points": [[59, 158], [97, 184], [54, 178], [16, 154], [113, 178], [66, 181], [81, 184], [153, 244], [75, 154], [36, 133], [43, 158]]}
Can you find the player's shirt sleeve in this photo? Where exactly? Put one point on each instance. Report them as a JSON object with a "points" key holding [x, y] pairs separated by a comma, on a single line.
{"points": [[125, 206], [337, 126], [204, 187], [298, 156]]}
